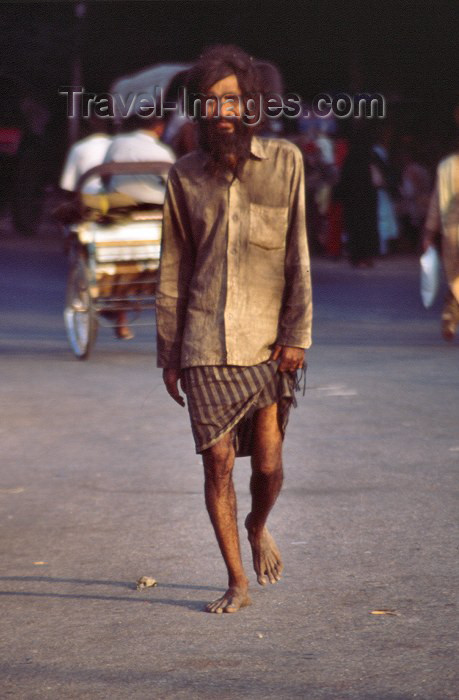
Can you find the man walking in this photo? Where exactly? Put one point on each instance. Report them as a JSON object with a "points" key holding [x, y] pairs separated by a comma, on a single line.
{"points": [[234, 305]]}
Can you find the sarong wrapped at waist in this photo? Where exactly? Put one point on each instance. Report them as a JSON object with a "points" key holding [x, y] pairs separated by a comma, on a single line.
{"points": [[224, 398]]}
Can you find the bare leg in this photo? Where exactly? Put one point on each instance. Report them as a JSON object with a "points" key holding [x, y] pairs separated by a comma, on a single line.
{"points": [[450, 317], [221, 506], [122, 329], [265, 485]]}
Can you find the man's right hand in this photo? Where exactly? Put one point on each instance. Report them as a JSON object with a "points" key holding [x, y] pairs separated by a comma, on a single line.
{"points": [[171, 379]]}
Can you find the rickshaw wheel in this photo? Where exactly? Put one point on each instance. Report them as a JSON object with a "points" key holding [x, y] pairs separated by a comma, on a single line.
{"points": [[79, 314]]}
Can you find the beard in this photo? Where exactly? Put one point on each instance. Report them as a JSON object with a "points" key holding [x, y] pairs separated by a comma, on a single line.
{"points": [[227, 150]]}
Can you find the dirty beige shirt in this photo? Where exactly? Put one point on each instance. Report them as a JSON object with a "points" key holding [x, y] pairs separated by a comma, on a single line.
{"points": [[234, 272]]}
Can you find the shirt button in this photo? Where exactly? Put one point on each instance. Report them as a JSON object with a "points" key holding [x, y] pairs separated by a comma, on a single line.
{"points": [[235, 217]]}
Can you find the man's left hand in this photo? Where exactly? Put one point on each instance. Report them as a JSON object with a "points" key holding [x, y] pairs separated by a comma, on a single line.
{"points": [[291, 359]]}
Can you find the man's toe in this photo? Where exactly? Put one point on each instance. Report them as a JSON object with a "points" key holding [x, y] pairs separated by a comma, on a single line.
{"points": [[214, 607], [231, 608]]}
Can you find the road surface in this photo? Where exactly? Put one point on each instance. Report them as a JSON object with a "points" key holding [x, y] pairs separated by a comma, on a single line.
{"points": [[99, 484]]}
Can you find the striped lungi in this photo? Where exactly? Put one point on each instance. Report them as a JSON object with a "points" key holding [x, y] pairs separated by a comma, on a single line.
{"points": [[224, 398]]}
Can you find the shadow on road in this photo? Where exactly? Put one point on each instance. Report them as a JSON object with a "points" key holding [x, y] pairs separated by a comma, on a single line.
{"points": [[104, 582], [194, 605]]}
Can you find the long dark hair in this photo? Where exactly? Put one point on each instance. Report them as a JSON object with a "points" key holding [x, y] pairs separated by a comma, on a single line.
{"points": [[215, 63]]}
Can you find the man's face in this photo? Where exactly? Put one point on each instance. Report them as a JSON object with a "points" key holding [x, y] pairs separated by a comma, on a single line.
{"points": [[223, 133], [228, 95]]}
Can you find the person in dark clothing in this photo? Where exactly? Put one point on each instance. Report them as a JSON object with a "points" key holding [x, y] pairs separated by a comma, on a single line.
{"points": [[27, 189], [358, 193]]}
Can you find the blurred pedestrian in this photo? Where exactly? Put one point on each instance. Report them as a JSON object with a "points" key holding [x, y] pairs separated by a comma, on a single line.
{"points": [[414, 195], [384, 180], [139, 145], [31, 168], [335, 217], [142, 144], [85, 154], [358, 193], [10, 137], [443, 218], [317, 173]]}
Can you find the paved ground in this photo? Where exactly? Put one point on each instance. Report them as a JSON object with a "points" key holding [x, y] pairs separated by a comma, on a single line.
{"points": [[99, 485]]}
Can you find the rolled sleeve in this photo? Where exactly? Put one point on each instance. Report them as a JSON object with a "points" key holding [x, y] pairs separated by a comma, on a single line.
{"points": [[176, 266]]}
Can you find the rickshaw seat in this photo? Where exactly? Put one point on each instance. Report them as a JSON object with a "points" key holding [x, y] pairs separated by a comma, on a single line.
{"points": [[104, 203]]}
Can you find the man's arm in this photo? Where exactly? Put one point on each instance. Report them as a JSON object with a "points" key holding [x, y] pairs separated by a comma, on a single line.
{"points": [[69, 175], [294, 334], [432, 224], [176, 266], [171, 378]]}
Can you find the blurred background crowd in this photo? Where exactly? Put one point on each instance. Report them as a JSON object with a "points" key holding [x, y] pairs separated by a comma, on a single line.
{"points": [[368, 180]]}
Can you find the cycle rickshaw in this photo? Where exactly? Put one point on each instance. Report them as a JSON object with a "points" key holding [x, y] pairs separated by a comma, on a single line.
{"points": [[114, 250]]}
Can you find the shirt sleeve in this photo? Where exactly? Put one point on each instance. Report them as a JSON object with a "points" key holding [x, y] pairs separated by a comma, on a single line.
{"points": [[70, 173], [176, 267], [296, 313]]}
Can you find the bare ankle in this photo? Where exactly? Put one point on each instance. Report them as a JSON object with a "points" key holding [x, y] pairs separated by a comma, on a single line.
{"points": [[254, 529], [241, 583]]}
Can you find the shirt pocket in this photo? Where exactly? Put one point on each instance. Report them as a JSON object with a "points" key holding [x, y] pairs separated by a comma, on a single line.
{"points": [[268, 226]]}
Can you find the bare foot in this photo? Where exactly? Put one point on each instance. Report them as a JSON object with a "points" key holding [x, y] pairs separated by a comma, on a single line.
{"points": [[448, 330], [230, 602], [123, 333], [266, 557]]}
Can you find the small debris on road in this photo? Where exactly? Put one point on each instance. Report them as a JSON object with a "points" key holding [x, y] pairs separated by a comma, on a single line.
{"points": [[385, 612], [146, 582]]}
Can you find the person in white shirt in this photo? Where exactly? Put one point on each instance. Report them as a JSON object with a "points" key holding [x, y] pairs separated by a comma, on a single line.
{"points": [[82, 156], [141, 145]]}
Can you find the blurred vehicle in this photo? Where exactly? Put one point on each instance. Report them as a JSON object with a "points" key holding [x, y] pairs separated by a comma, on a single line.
{"points": [[114, 247], [113, 240]]}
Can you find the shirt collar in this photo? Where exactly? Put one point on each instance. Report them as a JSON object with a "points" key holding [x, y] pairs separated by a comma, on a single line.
{"points": [[258, 149]]}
